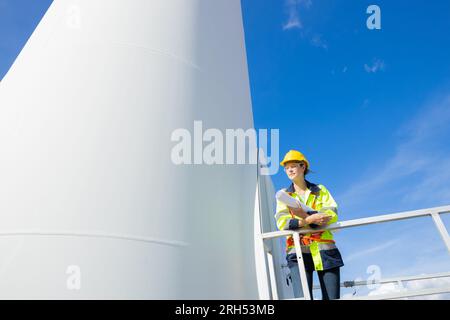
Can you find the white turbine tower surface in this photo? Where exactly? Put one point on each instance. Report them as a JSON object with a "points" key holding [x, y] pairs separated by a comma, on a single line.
{"points": [[92, 207]]}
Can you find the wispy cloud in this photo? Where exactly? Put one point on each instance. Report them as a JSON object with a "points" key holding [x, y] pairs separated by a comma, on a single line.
{"points": [[415, 285], [377, 65], [293, 8], [420, 163], [385, 288], [427, 284], [435, 260], [293, 22], [317, 41], [372, 250]]}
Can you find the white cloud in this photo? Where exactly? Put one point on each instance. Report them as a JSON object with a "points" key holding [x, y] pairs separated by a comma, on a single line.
{"points": [[292, 23], [317, 41], [386, 288], [434, 181], [427, 284], [377, 65], [415, 285], [347, 296], [293, 8], [374, 249]]}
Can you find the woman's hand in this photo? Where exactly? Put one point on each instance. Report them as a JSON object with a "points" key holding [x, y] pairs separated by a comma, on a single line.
{"points": [[299, 212], [318, 218]]}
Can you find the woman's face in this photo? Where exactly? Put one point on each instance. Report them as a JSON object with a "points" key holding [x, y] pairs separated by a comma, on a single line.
{"points": [[294, 170]]}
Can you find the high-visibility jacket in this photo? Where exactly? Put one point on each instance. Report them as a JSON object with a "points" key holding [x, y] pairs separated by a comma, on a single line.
{"points": [[324, 253]]}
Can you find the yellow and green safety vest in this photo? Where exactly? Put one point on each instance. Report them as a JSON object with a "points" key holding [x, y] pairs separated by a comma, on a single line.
{"points": [[324, 252]]}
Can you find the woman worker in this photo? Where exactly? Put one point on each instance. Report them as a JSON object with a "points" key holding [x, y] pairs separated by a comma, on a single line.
{"points": [[319, 249]]}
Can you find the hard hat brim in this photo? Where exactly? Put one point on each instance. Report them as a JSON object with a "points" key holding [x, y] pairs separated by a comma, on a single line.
{"points": [[282, 163]]}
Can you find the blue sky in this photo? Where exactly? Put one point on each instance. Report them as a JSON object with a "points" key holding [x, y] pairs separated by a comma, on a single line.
{"points": [[357, 128], [18, 19], [369, 108]]}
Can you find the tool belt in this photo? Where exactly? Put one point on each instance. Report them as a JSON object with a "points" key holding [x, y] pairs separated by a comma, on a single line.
{"points": [[307, 240]]}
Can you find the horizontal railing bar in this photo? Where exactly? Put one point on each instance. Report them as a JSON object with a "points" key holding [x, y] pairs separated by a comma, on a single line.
{"points": [[403, 294], [431, 212], [362, 222], [391, 280]]}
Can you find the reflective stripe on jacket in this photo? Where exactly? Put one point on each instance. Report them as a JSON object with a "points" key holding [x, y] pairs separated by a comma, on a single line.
{"points": [[324, 255]]}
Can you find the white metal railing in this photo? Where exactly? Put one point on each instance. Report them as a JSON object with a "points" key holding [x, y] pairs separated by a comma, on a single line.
{"points": [[433, 212], [398, 280]]}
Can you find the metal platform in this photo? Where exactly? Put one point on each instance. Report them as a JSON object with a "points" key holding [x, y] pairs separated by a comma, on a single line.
{"points": [[269, 285]]}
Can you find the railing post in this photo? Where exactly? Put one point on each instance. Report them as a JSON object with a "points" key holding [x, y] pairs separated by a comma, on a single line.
{"points": [[433, 212], [261, 252], [301, 266], [441, 228], [273, 278]]}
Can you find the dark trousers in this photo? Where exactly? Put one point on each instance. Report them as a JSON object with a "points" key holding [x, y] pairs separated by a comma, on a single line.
{"points": [[329, 282]]}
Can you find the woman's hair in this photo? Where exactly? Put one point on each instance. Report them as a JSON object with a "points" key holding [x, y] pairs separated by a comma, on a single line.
{"points": [[306, 167]]}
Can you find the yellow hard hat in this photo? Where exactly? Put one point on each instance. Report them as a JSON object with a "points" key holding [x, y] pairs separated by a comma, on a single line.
{"points": [[294, 155]]}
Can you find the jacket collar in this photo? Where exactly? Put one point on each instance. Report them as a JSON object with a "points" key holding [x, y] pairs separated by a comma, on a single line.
{"points": [[311, 186]]}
